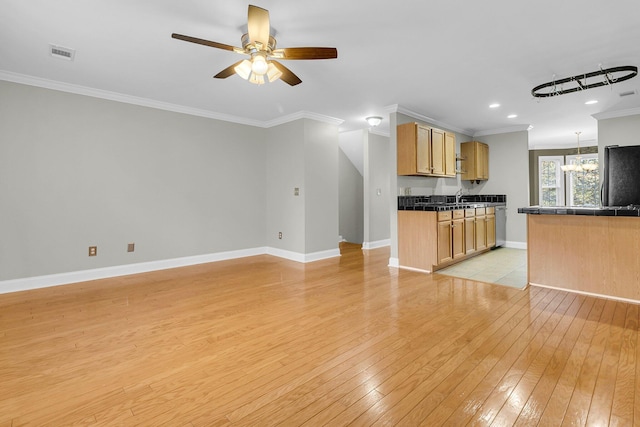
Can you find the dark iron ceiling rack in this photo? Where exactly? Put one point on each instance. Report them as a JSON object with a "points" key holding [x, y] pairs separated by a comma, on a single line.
{"points": [[579, 82]]}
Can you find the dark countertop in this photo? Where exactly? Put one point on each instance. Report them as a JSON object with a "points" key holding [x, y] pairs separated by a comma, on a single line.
{"points": [[632, 210], [448, 203]]}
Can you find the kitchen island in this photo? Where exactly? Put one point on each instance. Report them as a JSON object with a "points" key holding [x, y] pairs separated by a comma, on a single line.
{"points": [[592, 251]]}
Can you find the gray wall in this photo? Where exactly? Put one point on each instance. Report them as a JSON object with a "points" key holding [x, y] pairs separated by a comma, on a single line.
{"points": [[377, 194], [77, 171], [321, 182], [284, 172], [302, 154], [509, 174], [618, 131], [351, 222]]}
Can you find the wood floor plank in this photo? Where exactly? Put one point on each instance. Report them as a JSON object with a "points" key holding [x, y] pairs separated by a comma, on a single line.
{"points": [[603, 394], [539, 398], [501, 390], [464, 386], [578, 408], [263, 341], [623, 402]]}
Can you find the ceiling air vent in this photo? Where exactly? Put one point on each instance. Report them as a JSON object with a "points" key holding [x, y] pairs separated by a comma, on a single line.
{"points": [[627, 93], [62, 52]]}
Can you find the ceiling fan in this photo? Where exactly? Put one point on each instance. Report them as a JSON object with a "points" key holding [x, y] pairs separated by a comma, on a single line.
{"points": [[260, 45]]}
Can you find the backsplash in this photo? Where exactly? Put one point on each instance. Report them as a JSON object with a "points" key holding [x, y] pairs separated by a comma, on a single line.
{"points": [[410, 201]]}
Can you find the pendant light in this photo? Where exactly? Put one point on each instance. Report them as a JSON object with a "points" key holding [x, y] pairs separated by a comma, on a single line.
{"points": [[579, 165]]}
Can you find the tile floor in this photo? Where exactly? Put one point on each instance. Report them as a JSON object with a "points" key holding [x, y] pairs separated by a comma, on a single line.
{"points": [[504, 266]]}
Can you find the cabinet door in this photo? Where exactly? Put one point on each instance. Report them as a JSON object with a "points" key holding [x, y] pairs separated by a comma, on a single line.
{"points": [[444, 242], [491, 230], [457, 238], [469, 235], [483, 161], [449, 154], [437, 152], [481, 233], [423, 150]]}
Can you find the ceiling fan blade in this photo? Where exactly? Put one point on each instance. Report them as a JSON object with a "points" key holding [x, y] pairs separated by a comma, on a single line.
{"points": [[204, 42], [306, 53], [258, 25], [229, 71], [287, 75]]}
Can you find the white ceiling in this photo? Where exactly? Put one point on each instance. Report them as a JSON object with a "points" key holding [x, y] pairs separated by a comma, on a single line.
{"points": [[444, 59]]}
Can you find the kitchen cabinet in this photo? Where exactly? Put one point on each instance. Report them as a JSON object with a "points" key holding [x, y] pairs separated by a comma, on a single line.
{"points": [[490, 227], [414, 149], [457, 235], [481, 229], [475, 161], [469, 231], [450, 150], [444, 237], [485, 223], [430, 240], [450, 235], [426, 151]]}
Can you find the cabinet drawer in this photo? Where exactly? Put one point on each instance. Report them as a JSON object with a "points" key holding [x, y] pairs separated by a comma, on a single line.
{"points": [[458, 214], [469, 213], [480, 211], [491, 210], [444, 216]]}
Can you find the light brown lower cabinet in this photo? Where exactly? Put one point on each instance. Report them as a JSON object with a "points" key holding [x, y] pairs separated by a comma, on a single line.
{"points": [[490, 227], [457, 238], [469, 231], [428, 241]]}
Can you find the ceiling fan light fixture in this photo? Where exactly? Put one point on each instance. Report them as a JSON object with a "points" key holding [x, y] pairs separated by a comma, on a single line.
{"points": [[257, 79], [273, 73], [259, 65], [374, 120], [243, 69]]}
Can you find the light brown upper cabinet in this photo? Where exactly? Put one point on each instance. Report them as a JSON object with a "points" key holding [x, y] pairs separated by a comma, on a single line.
{"points": [[475, 161], [426, 151], [450, 149]]}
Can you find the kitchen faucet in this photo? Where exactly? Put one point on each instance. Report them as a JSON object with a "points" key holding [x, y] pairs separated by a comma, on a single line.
{"points": [[458, 196]]}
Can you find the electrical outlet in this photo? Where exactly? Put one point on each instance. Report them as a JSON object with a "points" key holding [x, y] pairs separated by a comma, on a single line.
{"points": [[280, 235], [93, 250], [296, 191], [131, 247]]}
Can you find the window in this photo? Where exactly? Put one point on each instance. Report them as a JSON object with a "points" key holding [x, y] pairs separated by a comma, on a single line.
{"points": [[551, 180], [583, 187]]}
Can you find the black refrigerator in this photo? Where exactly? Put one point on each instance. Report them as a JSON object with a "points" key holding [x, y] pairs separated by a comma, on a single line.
{"points": [[621, 176]]}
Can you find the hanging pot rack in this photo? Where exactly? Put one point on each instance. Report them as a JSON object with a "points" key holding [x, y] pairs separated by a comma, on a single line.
{"points": [[579, 82]]}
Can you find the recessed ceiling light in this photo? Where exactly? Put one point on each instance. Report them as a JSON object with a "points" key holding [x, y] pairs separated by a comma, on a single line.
{"points": [[512, 116], [496, 105], [593, 101]]}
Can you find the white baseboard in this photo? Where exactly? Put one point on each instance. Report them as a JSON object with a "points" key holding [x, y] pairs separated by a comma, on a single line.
{"points": [[298, 257], [376, 244], [37, 282], [515, 245], [394, 262], [419, 270]]}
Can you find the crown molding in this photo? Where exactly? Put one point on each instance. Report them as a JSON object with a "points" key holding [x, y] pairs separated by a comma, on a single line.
{"points": [[395, 108], [517, 128], [380, 132], [302, 115], [144, 102], [617, 113]]}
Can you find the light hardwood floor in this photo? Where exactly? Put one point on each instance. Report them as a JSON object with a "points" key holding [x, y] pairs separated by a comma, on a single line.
{"points": [[345, 341]]}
